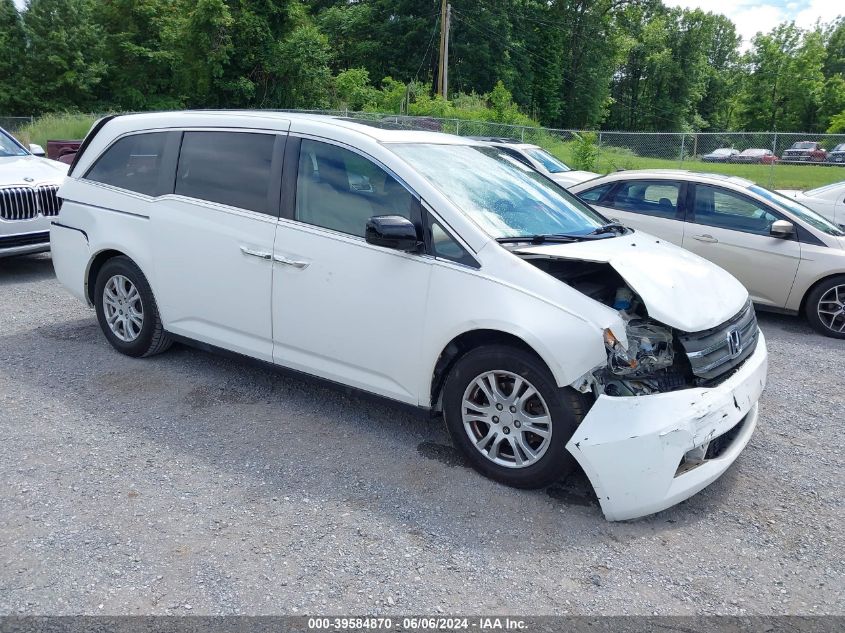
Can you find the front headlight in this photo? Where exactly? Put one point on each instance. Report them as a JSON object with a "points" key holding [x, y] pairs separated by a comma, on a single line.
{"points": [[649, 349]]}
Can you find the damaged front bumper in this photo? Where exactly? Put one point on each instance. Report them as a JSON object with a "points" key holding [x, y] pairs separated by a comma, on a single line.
{"points": [[643, 454]]}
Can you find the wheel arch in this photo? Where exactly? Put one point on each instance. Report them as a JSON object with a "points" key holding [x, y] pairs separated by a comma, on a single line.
{"points": [[802, 308], [95, 265], [463, 343]]}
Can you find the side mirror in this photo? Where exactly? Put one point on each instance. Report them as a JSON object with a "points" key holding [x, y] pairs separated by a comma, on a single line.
{"points": [[392, 231], [36, 150], [781, 229]]}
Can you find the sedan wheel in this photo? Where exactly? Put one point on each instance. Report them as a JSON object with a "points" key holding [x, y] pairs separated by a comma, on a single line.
{"points": [[825, 307], [831, 309]]}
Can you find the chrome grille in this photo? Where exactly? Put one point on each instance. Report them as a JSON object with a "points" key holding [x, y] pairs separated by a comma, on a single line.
{"points": [[715, 352], [25, 203]]}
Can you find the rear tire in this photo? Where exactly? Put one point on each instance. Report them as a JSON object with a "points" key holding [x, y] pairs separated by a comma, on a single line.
{"points": [[506, 414], [825, 307], [127, 310]]}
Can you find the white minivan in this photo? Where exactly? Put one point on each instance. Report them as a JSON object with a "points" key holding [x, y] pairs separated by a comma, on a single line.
{"points": [[425, 268]]}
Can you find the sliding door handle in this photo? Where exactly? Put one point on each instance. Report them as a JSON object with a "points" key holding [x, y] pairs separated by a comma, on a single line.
{"points": [[262, 254], [705, 238], [291, 262]]}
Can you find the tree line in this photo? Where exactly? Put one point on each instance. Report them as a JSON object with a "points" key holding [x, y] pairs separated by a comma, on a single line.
{"points": [[612, 64]]}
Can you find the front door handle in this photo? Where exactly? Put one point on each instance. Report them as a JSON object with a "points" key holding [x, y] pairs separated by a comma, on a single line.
{"points": [[291, 262], [262, 254], [705, 238]]}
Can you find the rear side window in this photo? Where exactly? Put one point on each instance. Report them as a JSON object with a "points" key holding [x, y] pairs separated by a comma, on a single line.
{"points": [[132, 163], [596, 193], [231, 168], [656, 197]]}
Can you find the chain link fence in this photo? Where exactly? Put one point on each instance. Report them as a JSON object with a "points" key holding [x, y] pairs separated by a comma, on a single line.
{"points": [[773, 159], [14, 123]]}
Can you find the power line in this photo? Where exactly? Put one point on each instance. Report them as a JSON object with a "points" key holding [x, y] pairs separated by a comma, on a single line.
{"points": [[427, 48]]}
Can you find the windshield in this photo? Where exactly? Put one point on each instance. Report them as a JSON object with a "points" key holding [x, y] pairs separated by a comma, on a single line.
{"points": [[804, 145], [799, 210], [552, 164], [754, 152], [503, 196], [8, 146], [722, 152]]}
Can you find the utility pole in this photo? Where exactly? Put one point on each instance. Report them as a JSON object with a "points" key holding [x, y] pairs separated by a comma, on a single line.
{"points": [[443, 69]]}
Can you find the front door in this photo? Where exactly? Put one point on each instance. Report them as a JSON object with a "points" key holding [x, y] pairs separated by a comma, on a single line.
{"points": [[214, 240], [732, 231], [344, 309]]}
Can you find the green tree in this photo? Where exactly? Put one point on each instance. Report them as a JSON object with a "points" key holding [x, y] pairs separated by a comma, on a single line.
{"points": [[15, 89], [64, 60], [140, 63]]}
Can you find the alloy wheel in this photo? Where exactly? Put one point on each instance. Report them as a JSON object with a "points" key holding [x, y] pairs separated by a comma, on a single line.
{"points": [[831, 309], [123, 308], [506, 419]]}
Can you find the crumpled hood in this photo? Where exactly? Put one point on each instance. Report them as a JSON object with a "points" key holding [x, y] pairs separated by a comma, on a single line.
{"points": [[679, 289], [14, 169]]}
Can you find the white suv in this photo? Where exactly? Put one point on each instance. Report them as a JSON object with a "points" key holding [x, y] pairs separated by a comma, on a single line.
{"points": [[426, 268], [28, 186]]}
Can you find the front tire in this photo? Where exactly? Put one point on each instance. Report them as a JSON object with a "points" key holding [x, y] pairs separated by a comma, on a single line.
{"points": [[127, 310], [825, 307], [506, 414]]}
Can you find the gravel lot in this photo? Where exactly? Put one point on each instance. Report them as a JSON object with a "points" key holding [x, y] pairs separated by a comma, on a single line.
{"points": [[192, 483]]}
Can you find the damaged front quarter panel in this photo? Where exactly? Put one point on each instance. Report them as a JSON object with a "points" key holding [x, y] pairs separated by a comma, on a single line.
{"points": [[633, 449]]}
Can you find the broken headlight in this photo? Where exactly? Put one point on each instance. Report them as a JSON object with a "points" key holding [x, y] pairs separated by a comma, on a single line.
{"points": [[649, 349]]}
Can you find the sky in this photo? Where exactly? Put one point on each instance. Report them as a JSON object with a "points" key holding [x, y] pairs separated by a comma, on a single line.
{"points": [[753, 16]]}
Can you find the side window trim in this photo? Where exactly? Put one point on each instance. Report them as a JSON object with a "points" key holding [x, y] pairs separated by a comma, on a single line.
{"points": [[290, 171]]}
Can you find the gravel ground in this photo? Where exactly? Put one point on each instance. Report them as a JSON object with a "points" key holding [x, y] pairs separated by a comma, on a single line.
{"points": [[192, 483]]}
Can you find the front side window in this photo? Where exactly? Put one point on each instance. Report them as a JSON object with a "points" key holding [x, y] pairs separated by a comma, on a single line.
{"points": [[231, 168], [132, 163], [725, 209], [340, 190], [552, 164], [502, 196], [8, 146], [444, 246], [648, 197]]}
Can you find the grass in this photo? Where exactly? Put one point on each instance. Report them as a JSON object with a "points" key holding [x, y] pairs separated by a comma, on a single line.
{"points": [[55, 127], [778, 176]]}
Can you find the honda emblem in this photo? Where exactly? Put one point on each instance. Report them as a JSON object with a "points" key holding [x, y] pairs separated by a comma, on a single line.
{"points": [[734, 343]]}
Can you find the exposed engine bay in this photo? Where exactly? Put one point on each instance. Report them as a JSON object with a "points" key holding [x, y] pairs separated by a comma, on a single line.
{"points": [[650, 363]]}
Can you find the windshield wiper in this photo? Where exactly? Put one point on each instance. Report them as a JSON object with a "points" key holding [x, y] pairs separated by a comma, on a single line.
{"points": [[538, 239], [610, 227]]}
